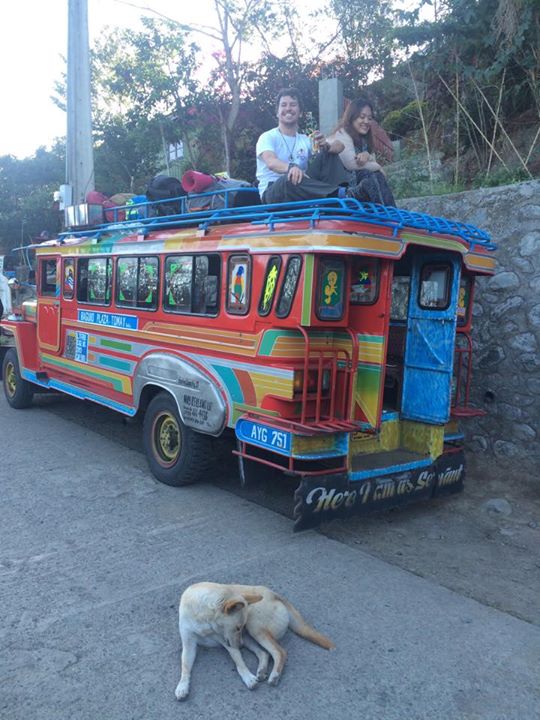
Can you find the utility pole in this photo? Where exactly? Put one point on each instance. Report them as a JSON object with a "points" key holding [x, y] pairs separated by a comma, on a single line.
{"points": [[79, 152], [330, 104]]}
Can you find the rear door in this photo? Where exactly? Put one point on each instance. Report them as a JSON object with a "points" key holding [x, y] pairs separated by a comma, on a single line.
{"points": [[431, 329]]}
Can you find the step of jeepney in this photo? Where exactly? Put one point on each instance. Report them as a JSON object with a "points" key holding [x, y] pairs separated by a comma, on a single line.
{"points": [[387, 462]]}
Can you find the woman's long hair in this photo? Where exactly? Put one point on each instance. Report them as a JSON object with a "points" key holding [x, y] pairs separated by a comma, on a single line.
{"points": [[352, 111]]}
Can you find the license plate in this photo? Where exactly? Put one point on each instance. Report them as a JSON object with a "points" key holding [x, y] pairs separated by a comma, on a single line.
{"points": [[263, 436]]}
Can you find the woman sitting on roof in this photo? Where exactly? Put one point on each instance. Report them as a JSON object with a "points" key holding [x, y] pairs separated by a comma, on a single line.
{"points": [[354, 131]]}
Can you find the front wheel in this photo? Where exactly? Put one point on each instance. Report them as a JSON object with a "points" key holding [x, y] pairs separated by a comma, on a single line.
{"points": [[177, 455], [19, 392]]}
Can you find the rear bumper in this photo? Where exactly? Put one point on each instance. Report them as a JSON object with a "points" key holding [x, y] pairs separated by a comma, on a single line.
{"points": [[324, 497]]}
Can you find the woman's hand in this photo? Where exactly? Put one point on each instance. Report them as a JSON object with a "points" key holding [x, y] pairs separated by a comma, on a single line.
{"points": [[362, 158]]}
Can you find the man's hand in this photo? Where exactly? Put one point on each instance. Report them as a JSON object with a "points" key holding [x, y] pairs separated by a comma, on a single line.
{"points": [[295, 174]]}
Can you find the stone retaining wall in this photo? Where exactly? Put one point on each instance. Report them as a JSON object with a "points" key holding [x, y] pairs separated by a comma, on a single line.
{"points": [[506, 320]]}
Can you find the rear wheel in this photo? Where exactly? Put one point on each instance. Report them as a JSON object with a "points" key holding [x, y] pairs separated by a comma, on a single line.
{"points": [[19, 392], [177, 455]]}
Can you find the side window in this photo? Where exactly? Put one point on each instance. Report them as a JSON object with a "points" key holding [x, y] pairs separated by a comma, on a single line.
{"points": [[238, 284], [400, 297], [288, 287], [464, 300], [365, 281], [206, 285], [178, 276], [269, 285], [48, 276], [192, 284], [331, 289], [68, 287], [137, 282], [435, 287], [94, 280]]}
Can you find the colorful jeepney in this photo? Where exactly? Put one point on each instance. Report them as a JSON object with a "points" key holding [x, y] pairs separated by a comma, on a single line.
{"points": [[330, 339]]}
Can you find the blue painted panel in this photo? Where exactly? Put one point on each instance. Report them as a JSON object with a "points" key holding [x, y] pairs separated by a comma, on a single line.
{"points": [[77, 392], [429, 350]]}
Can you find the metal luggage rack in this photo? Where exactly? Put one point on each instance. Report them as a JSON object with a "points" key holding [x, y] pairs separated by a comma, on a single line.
{"points": [[311, 211]]}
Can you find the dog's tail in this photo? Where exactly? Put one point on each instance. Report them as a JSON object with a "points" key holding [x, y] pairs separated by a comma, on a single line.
{"points": [[300, 627]]}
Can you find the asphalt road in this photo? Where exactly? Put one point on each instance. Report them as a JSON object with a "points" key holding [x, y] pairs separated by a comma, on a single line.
{"points": [[94, 554]]}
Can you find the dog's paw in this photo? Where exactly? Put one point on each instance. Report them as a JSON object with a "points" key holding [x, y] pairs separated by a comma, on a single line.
{"points": [[182, 691], [274, 678], [250, 681], [262, 674]]}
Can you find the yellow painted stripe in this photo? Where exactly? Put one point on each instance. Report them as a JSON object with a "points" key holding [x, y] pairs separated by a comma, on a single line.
{"points": [[123, 380], [480, 262], [243, 344]]}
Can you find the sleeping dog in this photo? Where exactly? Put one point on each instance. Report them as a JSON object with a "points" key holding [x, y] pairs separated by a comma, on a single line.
{"points": [[233, 616]]}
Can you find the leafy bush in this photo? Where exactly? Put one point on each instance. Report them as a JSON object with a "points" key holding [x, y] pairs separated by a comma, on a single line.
{"points": [[500, 176], [405, 120]]}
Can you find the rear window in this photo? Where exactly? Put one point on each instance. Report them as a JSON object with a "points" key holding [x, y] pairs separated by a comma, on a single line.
{"points": [[365, 281], [435, 283], [401, 285], [464, 301], [331, 288]]}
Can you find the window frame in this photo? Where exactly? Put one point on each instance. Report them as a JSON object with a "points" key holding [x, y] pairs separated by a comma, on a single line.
{"points": [[232, 258], [377, 261], [394, 319], [73, 263], [46, 290], [261, 311], [322, 261], [465, 319], [279, 315], [109, 274], [447, 289], [135, 305], [210, 255]]}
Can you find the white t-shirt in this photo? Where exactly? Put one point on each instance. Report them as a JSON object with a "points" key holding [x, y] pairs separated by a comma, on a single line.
{"points": [[290, 149], [5, 294]]}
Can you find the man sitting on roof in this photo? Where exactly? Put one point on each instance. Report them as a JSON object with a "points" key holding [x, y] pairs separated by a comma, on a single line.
{"points": [[283, 155]]}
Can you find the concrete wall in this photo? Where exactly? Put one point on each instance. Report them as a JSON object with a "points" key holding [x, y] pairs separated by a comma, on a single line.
{"points": [[506, 324]]}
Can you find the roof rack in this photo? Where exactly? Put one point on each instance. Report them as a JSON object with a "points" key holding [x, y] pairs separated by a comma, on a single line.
{"points": [[311, 211]]}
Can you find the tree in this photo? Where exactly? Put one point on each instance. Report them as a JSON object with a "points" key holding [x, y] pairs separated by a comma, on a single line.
{"points": [[236, 22], [144, 87], [366, 32], [26, 196]]}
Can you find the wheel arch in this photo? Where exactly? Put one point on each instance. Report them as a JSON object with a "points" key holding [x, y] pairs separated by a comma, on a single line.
{"points": [[199, 398]]}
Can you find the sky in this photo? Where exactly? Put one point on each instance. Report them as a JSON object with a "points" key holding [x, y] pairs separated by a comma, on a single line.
{"points": [[33, 42]]}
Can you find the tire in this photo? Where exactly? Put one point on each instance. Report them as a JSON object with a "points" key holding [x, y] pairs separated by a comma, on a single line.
{"points": [[177, 454], [18, 392]]}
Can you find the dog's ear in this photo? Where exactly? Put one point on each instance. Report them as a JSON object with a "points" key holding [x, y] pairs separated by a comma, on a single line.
{"points": [[251, 598], [230, 606]]}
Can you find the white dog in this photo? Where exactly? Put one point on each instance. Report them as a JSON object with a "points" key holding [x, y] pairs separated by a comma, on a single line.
{"points": [[211, 614]]}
